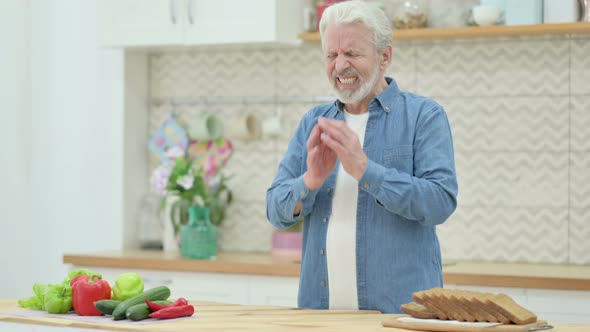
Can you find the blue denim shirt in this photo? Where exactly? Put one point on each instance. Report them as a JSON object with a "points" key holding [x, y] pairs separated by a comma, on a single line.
{"points": [[409, 186]]}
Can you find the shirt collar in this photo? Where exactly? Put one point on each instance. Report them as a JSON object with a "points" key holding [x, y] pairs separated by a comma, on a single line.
{"points": [[384, 99]]}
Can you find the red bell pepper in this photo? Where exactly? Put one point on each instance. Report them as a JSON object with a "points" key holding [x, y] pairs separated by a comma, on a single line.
{"points": [[174, 312], [86, 279], [83, 277], [86, 291], [155, 306]]}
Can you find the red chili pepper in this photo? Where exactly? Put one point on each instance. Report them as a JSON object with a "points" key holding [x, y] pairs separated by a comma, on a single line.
{"points": [[86, 291], [174, 312], [155, 307]]}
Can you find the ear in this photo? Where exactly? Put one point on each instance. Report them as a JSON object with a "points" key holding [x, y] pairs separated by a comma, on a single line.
{"points": [[385, 57]]}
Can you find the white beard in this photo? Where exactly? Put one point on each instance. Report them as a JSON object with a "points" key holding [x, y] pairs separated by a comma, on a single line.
{"points": [[355, 96]]}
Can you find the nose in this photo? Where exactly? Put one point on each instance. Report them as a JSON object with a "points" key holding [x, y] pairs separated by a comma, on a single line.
{"points": [[342, 64]]}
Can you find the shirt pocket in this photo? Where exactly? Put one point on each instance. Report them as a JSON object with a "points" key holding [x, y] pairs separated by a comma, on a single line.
{"points": [[400, 157]]}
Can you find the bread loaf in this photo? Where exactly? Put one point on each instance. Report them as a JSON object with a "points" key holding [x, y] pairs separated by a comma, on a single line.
{"points": [[417, 310], [507, 307], [471, 306], [426, 299]]}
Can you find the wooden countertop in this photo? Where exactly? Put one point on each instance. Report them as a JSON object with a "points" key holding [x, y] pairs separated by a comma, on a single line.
{"points": [[543, 276], [227, 317], [226, 262]]}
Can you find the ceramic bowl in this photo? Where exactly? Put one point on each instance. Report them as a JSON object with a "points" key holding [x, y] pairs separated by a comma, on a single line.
{"points": [[486, 15]]}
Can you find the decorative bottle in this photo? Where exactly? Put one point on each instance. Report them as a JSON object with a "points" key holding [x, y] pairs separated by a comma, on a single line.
{"points": [[199, 236]]}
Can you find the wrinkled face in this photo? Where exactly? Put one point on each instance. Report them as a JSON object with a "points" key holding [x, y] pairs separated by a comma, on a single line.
{"points": [[351, 61]]}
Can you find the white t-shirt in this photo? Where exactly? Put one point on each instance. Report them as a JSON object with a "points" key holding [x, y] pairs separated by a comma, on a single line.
{"points": [[341, 237]]}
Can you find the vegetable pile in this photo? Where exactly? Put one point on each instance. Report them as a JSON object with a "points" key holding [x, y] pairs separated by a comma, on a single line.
{"points": [[87, 294]]}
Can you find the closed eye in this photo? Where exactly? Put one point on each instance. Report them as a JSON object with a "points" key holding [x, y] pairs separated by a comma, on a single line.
{"points": [[352, 55]]}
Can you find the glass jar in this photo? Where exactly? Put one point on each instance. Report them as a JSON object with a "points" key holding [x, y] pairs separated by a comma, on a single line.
{"points": [[410, 14]]}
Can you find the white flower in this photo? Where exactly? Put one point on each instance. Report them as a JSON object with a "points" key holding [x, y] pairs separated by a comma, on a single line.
{"points": [[186, 181], [175, 152]]}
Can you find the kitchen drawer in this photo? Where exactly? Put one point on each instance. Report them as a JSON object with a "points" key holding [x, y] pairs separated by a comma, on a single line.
{"points": [[215, 287], [559, 301], [150, 278], [281, 291], [556, 306]]}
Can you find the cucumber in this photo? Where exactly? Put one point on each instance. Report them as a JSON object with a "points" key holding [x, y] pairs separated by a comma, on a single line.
{"points": [[141, 311], [154, 294], [106, 306]]}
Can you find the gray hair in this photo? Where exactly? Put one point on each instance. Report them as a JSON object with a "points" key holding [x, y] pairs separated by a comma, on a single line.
{"points": [[372, 17]]}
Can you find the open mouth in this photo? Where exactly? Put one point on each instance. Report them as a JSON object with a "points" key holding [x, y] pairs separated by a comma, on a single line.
{"points": [[347, 81]]}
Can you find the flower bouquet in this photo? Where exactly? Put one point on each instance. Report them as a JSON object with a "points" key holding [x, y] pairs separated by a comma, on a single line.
{"points": [[190, 184]]}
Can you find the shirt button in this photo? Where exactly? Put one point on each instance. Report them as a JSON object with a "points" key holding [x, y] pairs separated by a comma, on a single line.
{"points": [[323, 283], [325, 220], [329, 190], [366, 185], [322, 251], [302, 193]]}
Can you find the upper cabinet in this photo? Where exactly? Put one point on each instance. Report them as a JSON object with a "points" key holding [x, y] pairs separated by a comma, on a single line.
{"points": [[135, 23]]}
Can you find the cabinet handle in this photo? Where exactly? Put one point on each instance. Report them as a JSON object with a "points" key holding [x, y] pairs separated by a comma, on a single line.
{"points": [[191, 19], [173, 11]]}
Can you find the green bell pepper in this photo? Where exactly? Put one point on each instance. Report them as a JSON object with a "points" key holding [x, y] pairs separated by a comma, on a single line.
{"points": [[127, 285], [58, 299]]}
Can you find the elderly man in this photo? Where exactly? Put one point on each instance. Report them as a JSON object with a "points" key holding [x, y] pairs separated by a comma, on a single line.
{"points": [[372, 175]]}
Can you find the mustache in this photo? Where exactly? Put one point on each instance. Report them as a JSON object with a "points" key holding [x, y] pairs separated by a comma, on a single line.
{"points": [[348, 72]]}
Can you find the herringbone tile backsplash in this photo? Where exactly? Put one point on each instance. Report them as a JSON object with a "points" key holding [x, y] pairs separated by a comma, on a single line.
{"points": [[519, 110]]}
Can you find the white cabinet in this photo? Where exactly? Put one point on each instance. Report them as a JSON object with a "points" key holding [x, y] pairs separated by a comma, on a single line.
{"points": [[280, 291], [131, 23], [140, 22], [555, 306], [216, 287], [552, 305]]}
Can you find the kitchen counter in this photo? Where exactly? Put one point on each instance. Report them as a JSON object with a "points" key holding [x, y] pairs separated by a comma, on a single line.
{"points": [[542, 276], [225, 317]]}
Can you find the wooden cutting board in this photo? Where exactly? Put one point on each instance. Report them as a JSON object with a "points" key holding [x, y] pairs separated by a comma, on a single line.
{"points": [[441, 326]]}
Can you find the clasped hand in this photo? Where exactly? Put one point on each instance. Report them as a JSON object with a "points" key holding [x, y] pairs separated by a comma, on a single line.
{"points": [[329, 141]]}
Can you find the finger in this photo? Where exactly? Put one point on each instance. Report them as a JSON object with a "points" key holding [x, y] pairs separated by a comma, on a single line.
{"points": [[333, 124], [334, 145], [314, 137], [334, 131]]}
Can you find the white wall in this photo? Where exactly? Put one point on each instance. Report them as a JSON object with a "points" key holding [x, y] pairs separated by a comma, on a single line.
{"points": [[15, 116], [64, 134]]}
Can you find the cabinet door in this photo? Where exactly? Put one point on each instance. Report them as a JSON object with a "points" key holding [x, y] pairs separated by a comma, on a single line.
{"points": [[277, 291], [230, 21], [141, 22]]}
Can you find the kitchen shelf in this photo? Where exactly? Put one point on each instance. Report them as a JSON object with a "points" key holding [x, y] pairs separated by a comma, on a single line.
{"points": [[478, 32]]}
